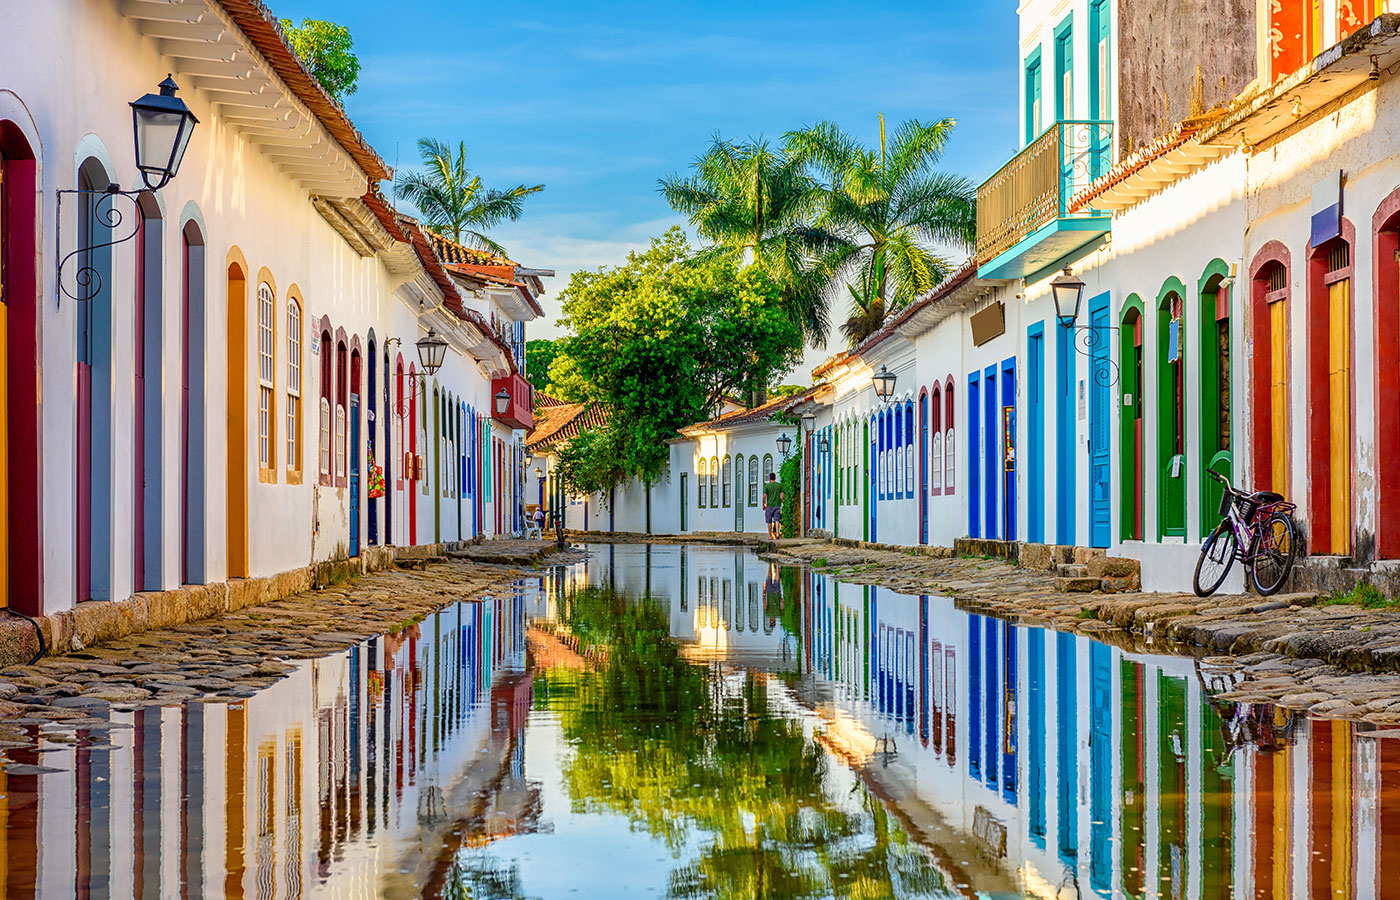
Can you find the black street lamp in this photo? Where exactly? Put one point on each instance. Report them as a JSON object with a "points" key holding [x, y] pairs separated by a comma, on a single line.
{"points": [[1068, 291], [784, 444], [432, 349], [825, 445], [884, 383], [162, 124]]}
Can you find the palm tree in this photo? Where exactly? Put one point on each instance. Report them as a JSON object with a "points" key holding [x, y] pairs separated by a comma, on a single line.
{"points": [[754, 204], [884, 213], [452, 200]]}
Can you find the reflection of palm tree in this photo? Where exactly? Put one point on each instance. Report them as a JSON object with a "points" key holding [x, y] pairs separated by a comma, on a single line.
{"points": [[483, 877]]}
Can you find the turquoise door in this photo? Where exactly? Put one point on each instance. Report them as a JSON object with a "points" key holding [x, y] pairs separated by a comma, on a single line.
{"points": [[974, 442], [1099, 373], [1035, 434]]}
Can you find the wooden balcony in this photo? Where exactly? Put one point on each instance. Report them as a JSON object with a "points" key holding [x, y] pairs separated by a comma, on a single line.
{"points": [[520, 412], [1024, 220]]}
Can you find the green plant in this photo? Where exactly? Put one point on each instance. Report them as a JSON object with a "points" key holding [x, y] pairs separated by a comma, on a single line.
{"points": [[327, 52], [790, 475], [452, 199], [1365, 595], [1088, 612]]}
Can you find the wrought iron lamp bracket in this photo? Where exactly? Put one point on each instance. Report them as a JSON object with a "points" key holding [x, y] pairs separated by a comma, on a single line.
{"points": [[87, 280], [1087, 339]]}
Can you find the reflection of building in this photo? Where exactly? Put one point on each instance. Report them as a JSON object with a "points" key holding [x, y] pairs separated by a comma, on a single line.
{"points": [[1076, 763], [296, 790]]}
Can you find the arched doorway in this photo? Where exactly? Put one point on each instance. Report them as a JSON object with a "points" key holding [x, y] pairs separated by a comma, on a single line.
{"points": [[371, 431], [236, 460], [94, 530], [147, 454], [1269, 382], [354, 445], [1330, 397], [193, 567], [1130, 468], [1171, 399], [1386, 225], [21, 501], [1216, 405]]}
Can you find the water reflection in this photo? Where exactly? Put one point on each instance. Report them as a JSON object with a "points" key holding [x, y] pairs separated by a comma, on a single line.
{"points": [[693, 722]]}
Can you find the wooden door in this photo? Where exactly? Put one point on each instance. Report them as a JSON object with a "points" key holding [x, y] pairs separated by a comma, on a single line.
{"points": [[1278, 394], [1339, 408], [237, 448]]}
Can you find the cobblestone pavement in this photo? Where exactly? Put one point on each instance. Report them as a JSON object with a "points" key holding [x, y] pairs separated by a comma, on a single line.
{"points": [[1336, 661], [238, 654]]}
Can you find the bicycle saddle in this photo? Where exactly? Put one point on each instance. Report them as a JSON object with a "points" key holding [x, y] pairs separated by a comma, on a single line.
{"points": [[1265, 497]]}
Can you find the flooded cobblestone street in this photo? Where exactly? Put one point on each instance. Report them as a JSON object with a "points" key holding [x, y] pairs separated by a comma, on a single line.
{"points": [[688, 721]]}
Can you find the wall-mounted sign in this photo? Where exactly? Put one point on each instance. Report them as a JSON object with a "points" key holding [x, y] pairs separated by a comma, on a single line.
{"points": [[989, 323]]}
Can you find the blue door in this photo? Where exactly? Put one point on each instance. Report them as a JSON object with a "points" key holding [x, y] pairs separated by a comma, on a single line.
{"points": [[1035, 434], [974, 468], [354, 474], [1008, 449], [1064, 436], [1098, 423], [875, 442], [1067, 748], [1100, 767], [991, 452]]}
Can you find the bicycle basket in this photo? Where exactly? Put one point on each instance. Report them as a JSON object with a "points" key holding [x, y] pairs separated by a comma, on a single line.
{"points": [[1226, 501]]}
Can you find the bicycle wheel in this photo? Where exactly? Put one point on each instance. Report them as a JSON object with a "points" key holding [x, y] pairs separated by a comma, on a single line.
{"points": [[1217, 556], [1276, 546]]}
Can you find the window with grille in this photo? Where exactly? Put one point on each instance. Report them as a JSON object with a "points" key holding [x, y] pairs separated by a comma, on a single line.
{"points": [[325, 437], [293, 385], [702, 482], [753, 481], [714, 481], [728, 479], [267, 372]]}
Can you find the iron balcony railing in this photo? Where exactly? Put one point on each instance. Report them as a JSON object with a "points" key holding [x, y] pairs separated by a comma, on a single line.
{"points": [[1036, 186]]}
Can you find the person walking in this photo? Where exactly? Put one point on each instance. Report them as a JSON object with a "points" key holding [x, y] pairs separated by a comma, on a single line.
{"points": [[773, 505]]}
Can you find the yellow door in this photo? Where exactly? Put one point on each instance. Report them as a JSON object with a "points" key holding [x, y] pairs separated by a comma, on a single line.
{"points": [[1278, 396], [1339, 406]]}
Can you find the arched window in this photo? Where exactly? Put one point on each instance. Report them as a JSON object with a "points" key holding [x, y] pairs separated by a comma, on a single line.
{"points": [[948, 445], [767, 466], [327, 389], [728, 479], [714, 481], [935, 430], [753, 481], [897, 453], [267, 374], [909, 442], [342, 368], [293, 388], [702, 482], [398, 450]]}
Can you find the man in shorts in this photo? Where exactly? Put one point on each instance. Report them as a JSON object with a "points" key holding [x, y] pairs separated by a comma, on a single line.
{"points": [[772, 505]]}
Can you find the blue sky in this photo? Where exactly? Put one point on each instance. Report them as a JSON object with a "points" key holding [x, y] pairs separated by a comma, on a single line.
{"points": [[598, 100]]}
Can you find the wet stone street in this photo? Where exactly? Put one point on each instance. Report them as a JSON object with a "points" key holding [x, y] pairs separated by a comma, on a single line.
{"points": [[672, 721]]}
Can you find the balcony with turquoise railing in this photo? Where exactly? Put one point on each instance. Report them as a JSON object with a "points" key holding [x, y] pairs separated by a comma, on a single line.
{"points": [[1027, 222]]}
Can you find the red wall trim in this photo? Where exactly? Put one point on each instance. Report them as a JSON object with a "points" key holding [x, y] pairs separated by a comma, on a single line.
{"points": [[1260, 398], [1385, 297]]}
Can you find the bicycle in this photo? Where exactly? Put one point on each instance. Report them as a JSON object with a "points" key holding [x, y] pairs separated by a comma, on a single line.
{"points": [[1262, 523]]}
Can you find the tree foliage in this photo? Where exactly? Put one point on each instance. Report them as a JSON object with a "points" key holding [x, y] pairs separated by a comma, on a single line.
{"points": [[659, 341], [452, 199], [539, 353], [328, 52], [883, 213]]}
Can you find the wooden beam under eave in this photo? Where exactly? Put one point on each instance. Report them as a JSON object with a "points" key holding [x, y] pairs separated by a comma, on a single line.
{"points": [[227, 84], [240, 67], [181, 31], [209, 50], [161, 10]]}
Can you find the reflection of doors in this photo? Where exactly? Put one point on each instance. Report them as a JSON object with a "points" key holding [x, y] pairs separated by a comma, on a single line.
{"points": [[1035, 434], [354, 474], [1098, 424], [1100, 766], [684, 495]]}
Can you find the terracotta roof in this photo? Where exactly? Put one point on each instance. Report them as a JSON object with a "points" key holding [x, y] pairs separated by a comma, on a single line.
{"points": [[561, 421], [385, 214], [1145, 155], [543, 400], [945, 287], [453, 252], [424, 248], [484, 266], [761, 413], [256, 21]]}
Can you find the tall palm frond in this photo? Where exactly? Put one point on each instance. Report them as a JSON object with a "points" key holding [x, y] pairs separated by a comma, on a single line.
{"points": [[453, 201], [885, 213]]}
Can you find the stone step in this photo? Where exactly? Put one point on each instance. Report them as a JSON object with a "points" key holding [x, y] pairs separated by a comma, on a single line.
{"points": [[1069, 570], [1076, 585]]}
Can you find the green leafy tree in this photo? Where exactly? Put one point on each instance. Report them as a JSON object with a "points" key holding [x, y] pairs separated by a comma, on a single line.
{"points": [[754, 203], [452, 199], [539, 353], [328, 53], [662, 339], [785, 390], [885, 211]]}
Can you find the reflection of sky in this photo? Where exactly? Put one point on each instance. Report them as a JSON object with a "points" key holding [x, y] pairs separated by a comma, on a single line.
{"points": [[588, 854]]}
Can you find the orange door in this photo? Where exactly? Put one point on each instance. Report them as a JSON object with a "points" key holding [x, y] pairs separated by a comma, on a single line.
{"points": [[237, 462], [1339, 407], [1278, 388]]}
